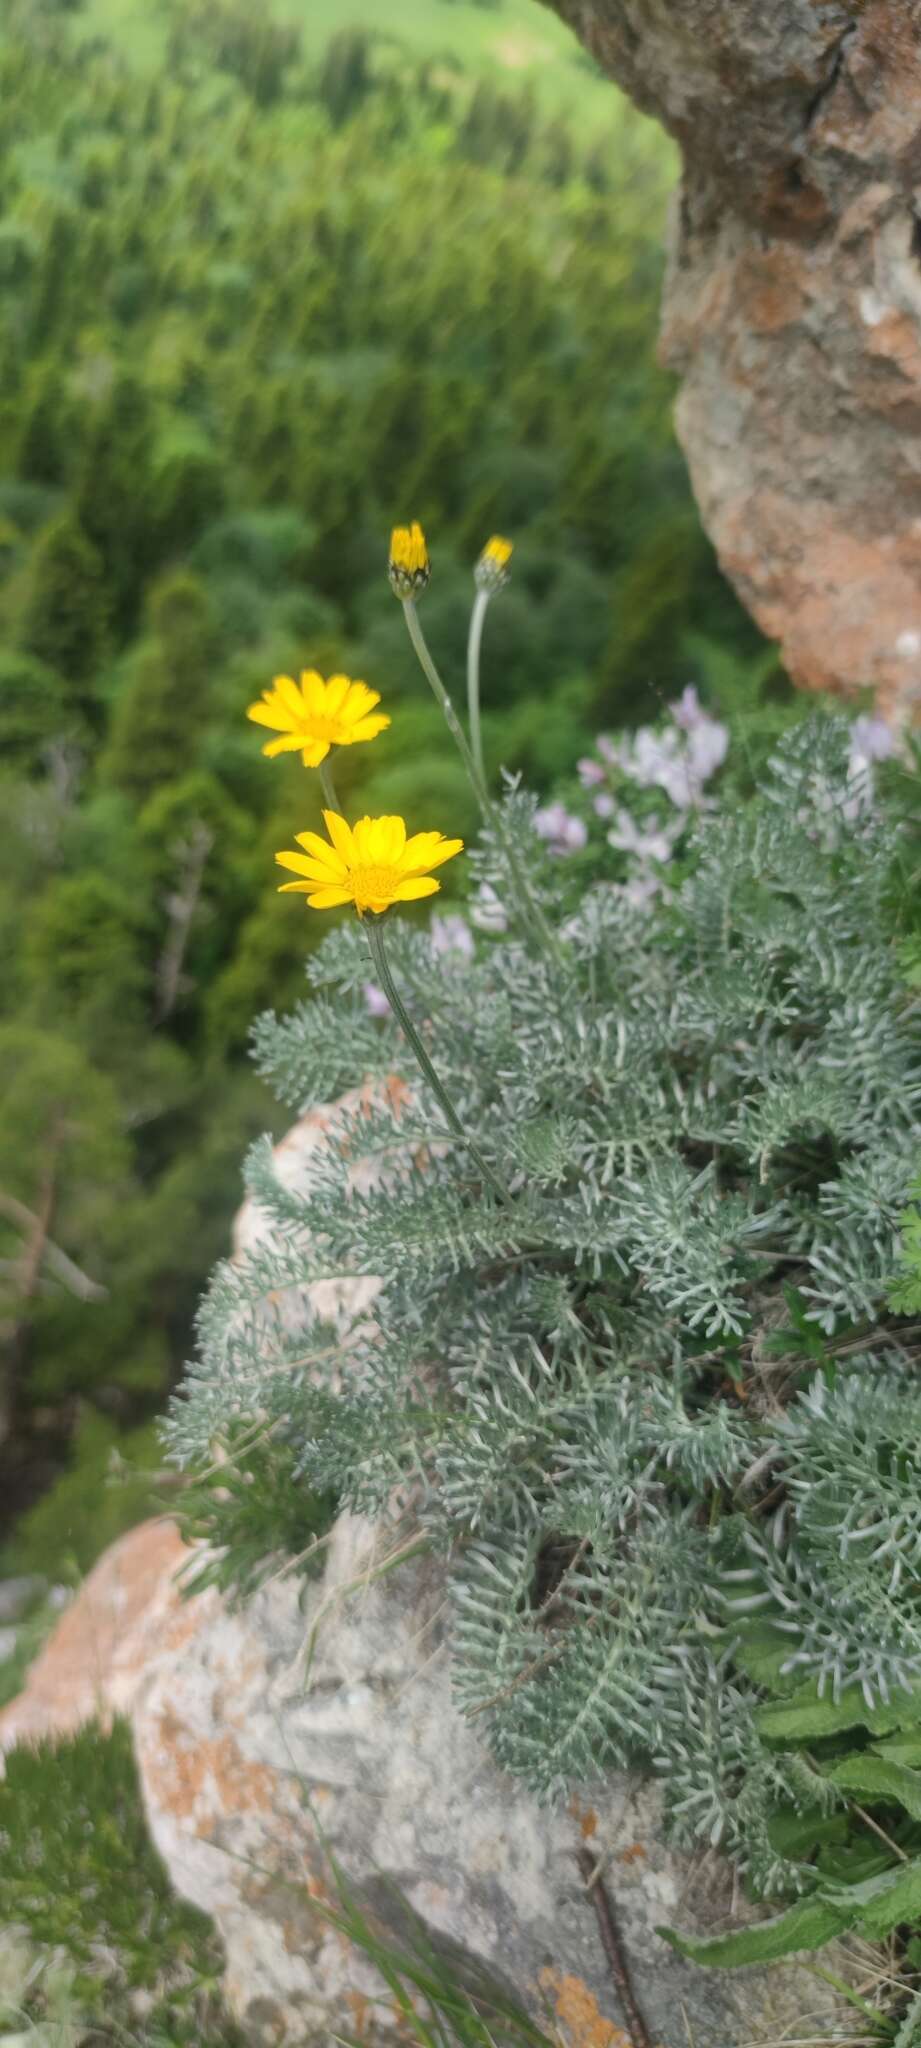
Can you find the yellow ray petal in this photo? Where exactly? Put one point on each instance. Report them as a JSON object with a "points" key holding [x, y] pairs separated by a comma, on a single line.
{"points": [[315, 751], [364, 729], [289, 695], [316, 870], [320, 849], [420, 852], [271, 711], [313, 692], [327, 899], [387, 840], [361, 841], [289, 743], [359, 702], [335, 694], [415, 885], [292, 888], [341, 835]]}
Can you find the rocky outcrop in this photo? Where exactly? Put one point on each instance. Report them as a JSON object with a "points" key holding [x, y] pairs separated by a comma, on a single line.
{"points": [[793, 307], [253, 1727]]}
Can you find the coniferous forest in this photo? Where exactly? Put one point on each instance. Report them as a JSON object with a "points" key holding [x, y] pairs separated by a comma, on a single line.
{"points": [[260, 297]]}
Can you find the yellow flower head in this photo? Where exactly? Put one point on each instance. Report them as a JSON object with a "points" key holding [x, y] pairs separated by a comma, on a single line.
{"points": [[409, 568], [492, 569], [372, 866], [313, 716]]}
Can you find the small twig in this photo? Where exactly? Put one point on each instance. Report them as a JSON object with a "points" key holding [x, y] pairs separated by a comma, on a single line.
{"points": [[881, 1832], [43, 1247], [614, 1949]]}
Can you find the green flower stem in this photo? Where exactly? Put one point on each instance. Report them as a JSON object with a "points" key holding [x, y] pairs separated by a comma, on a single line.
{"points": [[454, 725], [374, 926], [474, 642], [530, 910], [330, 799]]}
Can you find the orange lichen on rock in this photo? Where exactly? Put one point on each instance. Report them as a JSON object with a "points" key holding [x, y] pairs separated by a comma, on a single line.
{"points": [[127, 1611], [586, 1817], [202, 1779], [578, 2011]]}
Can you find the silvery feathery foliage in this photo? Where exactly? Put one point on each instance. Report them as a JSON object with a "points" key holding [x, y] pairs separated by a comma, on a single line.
{"points": [[654, 1390]]}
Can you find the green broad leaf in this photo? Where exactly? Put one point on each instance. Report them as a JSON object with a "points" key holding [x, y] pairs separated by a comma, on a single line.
{"points": [[853, 1861], [760, 1652], [807, 1718], [807, 1925], [878, 1777], [797, 1834], [885, 1902], [901, 1749]]}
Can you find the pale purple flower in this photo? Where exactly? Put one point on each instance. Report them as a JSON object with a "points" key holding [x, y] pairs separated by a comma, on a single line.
{"points": [[376, 1002], [681, 759], [590, 772], [708, 745], [640, 891], [563, 833], [606, 748], [486, 911], [644, 842], [688, 710], [451, 934], [603, 805], [871, 740]]}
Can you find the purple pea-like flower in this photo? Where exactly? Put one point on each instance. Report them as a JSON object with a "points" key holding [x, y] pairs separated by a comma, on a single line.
{"points": [[562, 832]]}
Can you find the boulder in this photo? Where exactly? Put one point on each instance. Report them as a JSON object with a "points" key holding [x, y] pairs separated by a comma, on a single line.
{"points": [[792, 308], [260, 1731]]}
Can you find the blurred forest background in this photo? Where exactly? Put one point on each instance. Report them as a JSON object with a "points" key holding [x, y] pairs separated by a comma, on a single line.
{"points": [[269, 283]]}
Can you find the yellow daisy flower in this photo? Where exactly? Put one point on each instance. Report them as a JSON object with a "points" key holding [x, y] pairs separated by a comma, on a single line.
{"points": [[409, 567], [492, 569], [372, 866], [313, 716]]}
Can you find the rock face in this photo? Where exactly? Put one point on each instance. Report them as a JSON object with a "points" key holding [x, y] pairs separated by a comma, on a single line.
{"points": [[242, 1748], [793, 307]]}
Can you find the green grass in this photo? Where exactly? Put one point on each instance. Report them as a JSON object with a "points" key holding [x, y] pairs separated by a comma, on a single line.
{"points": [[515, 41], [80, 1876]]}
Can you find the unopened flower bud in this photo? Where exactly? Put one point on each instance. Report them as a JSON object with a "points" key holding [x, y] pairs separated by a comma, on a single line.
{"points": [[409, 568], [492, 570]]}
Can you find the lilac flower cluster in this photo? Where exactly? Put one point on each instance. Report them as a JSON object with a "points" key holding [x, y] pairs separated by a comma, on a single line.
{"points": [[680, 761]]}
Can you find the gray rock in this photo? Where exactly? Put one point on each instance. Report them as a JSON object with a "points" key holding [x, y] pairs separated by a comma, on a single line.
{"points": [[338, 1712], [18, 1595]]}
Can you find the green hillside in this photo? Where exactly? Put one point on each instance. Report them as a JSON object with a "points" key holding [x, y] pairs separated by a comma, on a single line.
{"points": [[518, 40], [262, 296]]}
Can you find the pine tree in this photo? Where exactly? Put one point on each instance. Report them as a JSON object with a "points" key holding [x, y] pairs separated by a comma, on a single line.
{"points": [[66, 612], [162, 711]]}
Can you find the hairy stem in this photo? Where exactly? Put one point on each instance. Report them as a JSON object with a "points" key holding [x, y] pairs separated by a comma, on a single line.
{"points": [[374, 926], [453, 722], [530, 909], [330, 798], [474, 643]]}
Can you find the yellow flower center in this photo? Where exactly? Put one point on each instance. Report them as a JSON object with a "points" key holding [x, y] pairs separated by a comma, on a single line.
{"points": [[370, 885], [333, 729]]}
